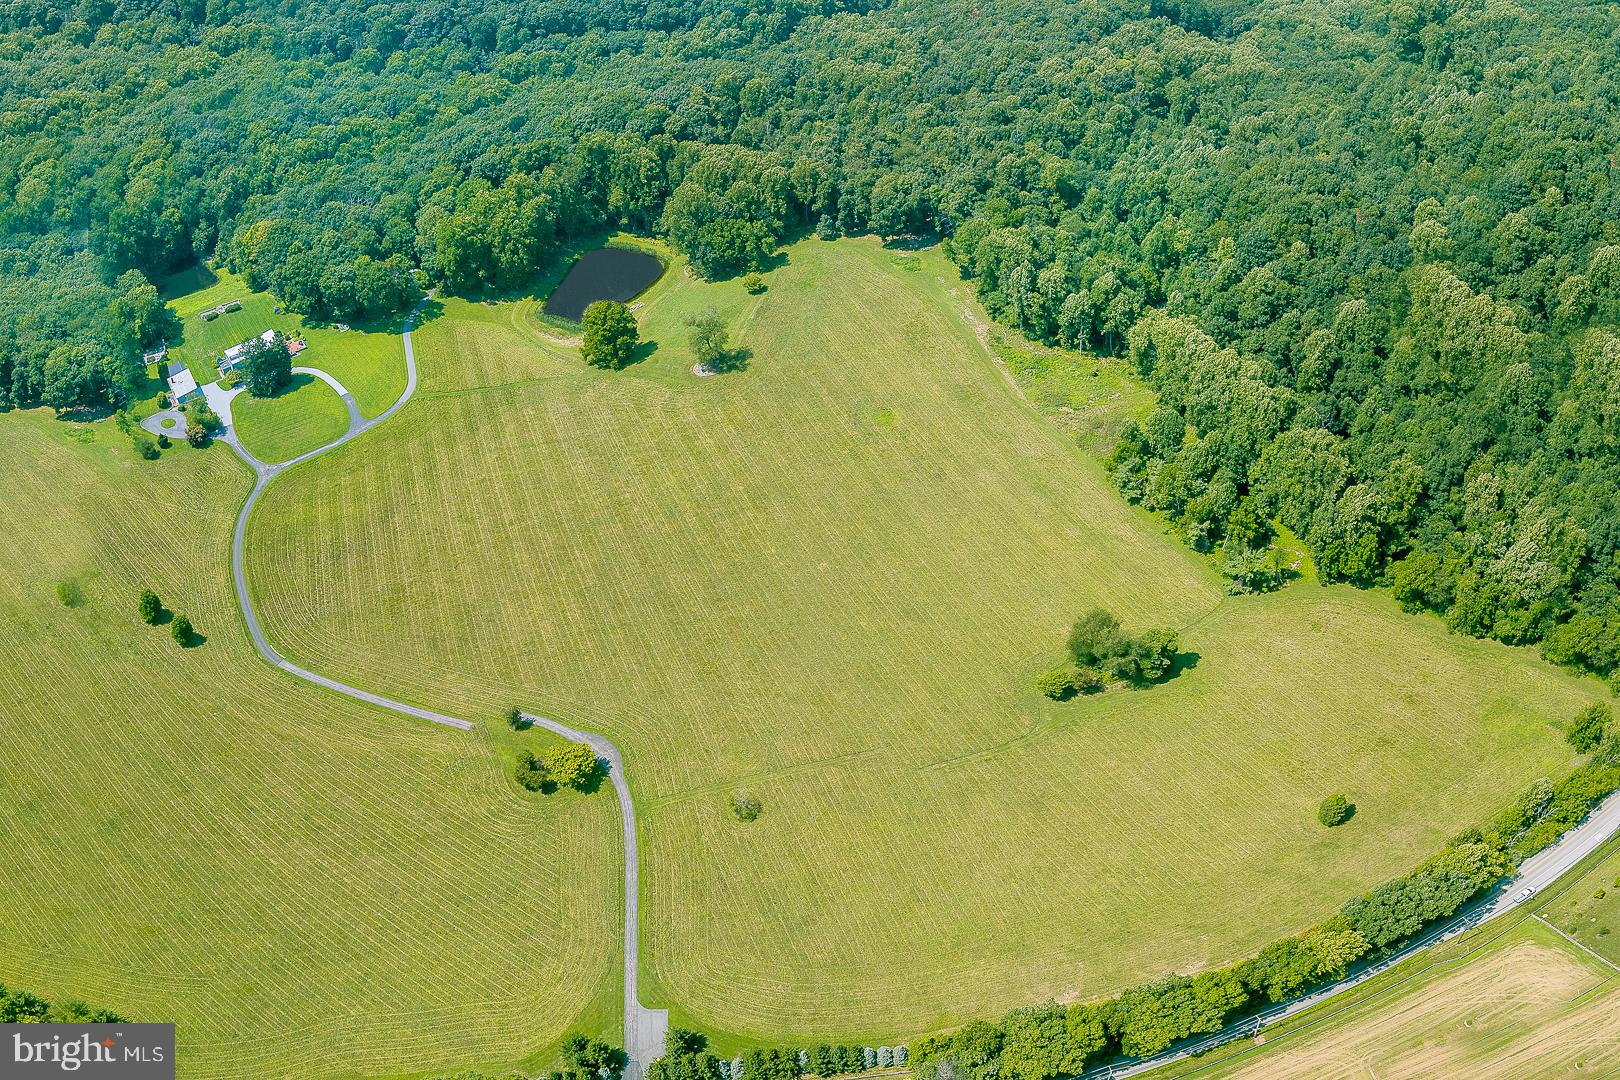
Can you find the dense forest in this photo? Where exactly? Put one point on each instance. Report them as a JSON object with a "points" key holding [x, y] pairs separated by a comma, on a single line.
{"points": [[1367, 254]]}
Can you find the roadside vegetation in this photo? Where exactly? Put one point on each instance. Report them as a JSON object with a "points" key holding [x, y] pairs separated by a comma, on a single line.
{"points": [[1048, 1041], [1514, 997]]}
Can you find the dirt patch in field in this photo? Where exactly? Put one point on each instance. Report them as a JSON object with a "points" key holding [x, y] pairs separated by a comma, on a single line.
{"points": [[1526, 1010]]}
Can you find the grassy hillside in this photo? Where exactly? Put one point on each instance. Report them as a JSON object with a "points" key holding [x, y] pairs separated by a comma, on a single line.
{"points": [[829, 579], [308, 887]]}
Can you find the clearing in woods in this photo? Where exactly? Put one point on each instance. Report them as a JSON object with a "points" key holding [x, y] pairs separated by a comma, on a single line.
{"points": [[307, 886], [369, 361], [829, 579]]}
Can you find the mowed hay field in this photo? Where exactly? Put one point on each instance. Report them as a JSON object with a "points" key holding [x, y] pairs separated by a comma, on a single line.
{"points": [[307, 886], [1531, 1005], [829, 579]]}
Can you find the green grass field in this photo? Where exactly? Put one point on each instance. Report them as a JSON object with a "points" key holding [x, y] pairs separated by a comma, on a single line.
{"points": [[369, 361], [306, 415], [1591, 913], [829, 579], [307, 886]]}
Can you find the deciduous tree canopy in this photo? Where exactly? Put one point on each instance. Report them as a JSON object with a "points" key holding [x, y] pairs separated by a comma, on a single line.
{"points": [[1367, 256]]}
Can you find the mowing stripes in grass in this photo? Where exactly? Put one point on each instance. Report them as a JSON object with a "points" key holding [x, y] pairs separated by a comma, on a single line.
{"points": [[831, 578], [307, 886]]}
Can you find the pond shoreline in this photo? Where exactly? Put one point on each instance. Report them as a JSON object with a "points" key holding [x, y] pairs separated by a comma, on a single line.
{"points": [[607, 273]]}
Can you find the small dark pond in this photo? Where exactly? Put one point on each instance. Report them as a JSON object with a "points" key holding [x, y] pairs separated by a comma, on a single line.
{"points": [[603, 274]]}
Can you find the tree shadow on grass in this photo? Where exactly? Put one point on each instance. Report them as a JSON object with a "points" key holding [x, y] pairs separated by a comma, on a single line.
{"points": [[295, 383], [1184, 661], [641, 353], [394, 322], [593, 780], [732, 360]]}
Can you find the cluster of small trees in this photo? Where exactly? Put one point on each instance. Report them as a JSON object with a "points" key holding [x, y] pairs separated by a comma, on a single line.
{"points": [[151, 612], [573, 764], [145, 445], [201, 422], [589, 1059], [22, 1007], [1100, 652], [1046, 1041], [686, 1057]]}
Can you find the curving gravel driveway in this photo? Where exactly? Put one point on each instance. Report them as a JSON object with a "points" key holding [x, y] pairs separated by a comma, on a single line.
{"points": [[643, 1028]]}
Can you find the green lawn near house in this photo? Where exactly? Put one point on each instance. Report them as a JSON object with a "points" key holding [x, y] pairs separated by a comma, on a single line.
{"points": [[369, 361], [306, 415]]}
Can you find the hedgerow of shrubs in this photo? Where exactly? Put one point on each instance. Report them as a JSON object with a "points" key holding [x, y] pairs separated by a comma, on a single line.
{"points": [[686, 1057], [1044, 1041], [22, 1007]]}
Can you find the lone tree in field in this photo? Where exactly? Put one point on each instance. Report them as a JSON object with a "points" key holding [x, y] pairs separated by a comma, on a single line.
{"points": [[151, 607], [267, 365], [573, 764], [181, 629], [610, 335], [709, 340], [744, 807], [1335, 809], [1586, 730]]}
